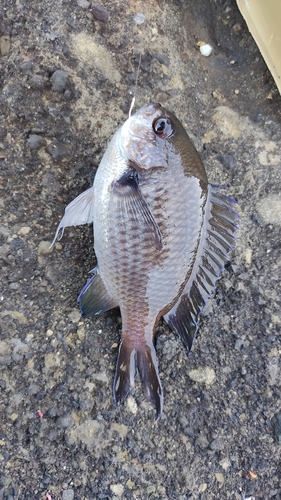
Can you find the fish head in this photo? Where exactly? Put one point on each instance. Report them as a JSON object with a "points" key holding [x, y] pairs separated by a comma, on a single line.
{"points": [[153, 137]]}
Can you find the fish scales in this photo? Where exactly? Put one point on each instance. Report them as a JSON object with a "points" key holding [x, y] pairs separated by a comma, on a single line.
{"points": [[162, 235]]}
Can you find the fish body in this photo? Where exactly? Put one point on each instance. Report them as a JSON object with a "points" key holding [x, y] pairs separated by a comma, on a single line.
{"points": [[162, 235]]}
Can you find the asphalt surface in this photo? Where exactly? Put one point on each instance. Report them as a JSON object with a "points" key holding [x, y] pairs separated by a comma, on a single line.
{"points": [[67, 80]]}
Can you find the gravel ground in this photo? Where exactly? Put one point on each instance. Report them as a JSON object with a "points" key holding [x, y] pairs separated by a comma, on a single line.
{"points": [[67, 79]]}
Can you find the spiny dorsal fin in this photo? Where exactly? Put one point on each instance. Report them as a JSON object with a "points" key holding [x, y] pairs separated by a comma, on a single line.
{"points": [[217, 237]]}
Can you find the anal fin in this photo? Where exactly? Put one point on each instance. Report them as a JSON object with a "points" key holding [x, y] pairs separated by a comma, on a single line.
{"points": [[217, 238], [94, 298]]}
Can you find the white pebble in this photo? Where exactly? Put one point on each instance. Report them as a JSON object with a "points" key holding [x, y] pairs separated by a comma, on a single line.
{"points": [[44, 247], [202, 375], [24, 230], [139, 18], [132, 405], [248, 257], [206, 49], [117, 489]]}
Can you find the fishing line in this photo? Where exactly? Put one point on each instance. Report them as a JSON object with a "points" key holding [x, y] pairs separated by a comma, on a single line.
{"points": [[135, 89]]}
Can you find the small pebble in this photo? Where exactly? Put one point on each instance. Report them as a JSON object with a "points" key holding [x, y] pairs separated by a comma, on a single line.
{"points": [[217, 444], [74, 316], [203, 375], [65, 421], [248, 257], [202, 487], [100, 13], [122, 429], [51, 36], [139, 18], [24, 230], [219, 477], [44, 247], [59, 79], [206, 49], [27, 67], [117, 489], [84, 4], [269, 208], [68, 495], [38, 82], [4, 45], [275, 319], [81, 333], [5, 347], [238, 344], [163, 59], [36, 141], [225, 463], [57, 151], [132, 405], [227, 160]]}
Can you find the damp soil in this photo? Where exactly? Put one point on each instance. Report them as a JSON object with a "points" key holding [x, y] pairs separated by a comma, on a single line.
{"points": [[67, 76]]}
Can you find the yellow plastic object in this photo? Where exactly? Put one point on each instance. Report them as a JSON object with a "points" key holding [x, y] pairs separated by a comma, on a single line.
{"points": [[263, 18]]}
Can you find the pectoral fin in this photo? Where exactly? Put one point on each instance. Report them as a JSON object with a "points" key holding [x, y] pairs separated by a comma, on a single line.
{"points": [[79, 211], [217, 237], [133, 208], [94, 298]]}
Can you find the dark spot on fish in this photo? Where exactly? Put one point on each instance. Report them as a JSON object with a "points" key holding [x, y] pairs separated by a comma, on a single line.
{"points": [[127, 182]]}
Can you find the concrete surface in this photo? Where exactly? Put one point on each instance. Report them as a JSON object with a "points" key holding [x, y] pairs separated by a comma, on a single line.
{"points": [[67, 81]]}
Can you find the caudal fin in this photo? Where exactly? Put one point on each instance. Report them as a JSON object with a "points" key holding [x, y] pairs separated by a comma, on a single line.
{"points": [[148, 368], [144, 358], [125, 373]]}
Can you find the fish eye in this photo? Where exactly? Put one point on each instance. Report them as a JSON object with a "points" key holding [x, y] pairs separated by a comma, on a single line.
{"points": [[163, 127]]}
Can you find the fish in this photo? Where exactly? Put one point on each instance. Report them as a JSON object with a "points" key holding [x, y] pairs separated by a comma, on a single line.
{"points": [[162, 236]]}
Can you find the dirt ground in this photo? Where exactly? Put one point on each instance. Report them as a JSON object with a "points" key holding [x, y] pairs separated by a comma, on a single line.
{"points": [[60, 435]]}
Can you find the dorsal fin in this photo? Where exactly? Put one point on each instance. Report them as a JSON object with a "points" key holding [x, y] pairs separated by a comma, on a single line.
{"points": [[217, 237]]}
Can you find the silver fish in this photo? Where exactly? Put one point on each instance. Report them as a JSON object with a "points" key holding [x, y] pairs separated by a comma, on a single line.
{"points": [[162, 236]]}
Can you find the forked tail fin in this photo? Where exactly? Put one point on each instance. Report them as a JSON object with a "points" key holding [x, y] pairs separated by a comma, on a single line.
{"points": [[148, 368], [144, 358], [125, 372]]}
